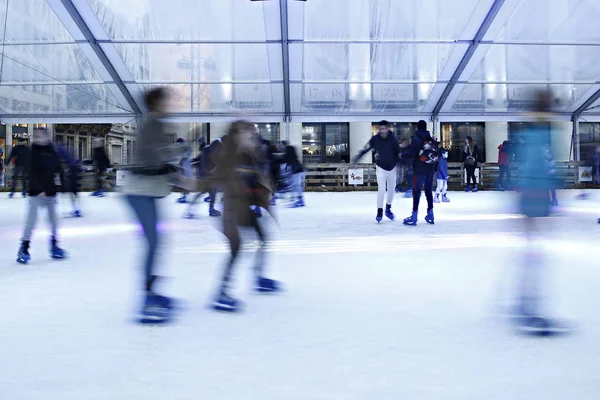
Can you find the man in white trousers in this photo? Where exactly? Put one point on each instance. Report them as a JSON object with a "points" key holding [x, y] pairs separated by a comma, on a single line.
{"points": [[387, 153]]}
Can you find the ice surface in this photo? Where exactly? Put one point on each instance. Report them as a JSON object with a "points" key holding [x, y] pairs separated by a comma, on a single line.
{"points": [[370, 311]]}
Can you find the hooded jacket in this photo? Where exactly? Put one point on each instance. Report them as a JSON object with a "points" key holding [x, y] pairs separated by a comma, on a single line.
{"points": [[412, 153], [45, 164], [503, 155]]}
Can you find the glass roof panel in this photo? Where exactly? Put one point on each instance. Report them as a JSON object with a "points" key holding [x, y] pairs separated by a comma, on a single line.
{"points": [[31, 21], [343, 98], [59, 99], [224, 98], [203, 62], [216, 20], [430, 20], [360, 62], [552, 21], [50, 63], [512, 97], [538, 63]]}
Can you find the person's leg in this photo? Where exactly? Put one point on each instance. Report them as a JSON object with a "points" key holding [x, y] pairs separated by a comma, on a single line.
{"points": [[381, 182], [444, 187], [428, 186], [391, 185], [15, 175], [501, 174], [213, 197], [440, 186], [232, 234], [471, 176], [418, 181], [31, 220], [50, 203], [147, 214]]}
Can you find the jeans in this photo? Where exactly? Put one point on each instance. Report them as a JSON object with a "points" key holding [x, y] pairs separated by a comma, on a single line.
{"points": [[386, 180], [297, 182], [504, 172], [18, 173], [420, 182], [471, 175], [145, 210], [36, 202]]}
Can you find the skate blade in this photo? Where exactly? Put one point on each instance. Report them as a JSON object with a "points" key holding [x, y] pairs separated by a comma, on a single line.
{"points": [[225, 307], [152, 319]]}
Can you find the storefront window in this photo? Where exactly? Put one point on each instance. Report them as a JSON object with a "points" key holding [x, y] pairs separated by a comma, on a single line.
{"points": [[325, 143], [589, 139], [402, 130], [454, 136], [268, 132]]}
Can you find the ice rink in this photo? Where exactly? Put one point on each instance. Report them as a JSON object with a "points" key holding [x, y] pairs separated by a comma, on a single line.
{"points": [[383, 312]]}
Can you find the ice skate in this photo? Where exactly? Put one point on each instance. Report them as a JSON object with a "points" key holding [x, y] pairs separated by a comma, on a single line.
{"points": [[429, 218], [226, 303], [539, 326], [189, 215], [156, 309], [257, 212], [24, 194], [207, 199], [475, 189], [554, 202], [76, 214], [408, 194], [56, 252], [379, 216], [388, 212], [436, 199], [11, 195], [266, 285], [182, 199], [445, 199], [212, 212], [23, 256], [412, 220], [468, 189], [299, 203]]}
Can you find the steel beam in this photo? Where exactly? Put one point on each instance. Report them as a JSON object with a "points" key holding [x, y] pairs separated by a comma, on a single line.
{"points": [[285, 56], [71, 18], [485, 25], [587, 104]]}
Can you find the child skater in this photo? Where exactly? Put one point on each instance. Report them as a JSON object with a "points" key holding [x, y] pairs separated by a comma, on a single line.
{"points": [[442, 178]]}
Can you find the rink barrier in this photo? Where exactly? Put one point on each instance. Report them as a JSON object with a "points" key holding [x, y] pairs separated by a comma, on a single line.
{"points": [[334, 177]]}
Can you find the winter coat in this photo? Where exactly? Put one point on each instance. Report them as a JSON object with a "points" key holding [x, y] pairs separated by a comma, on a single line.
{"points": [[21, 153], [244, 184], [442, 170], [292, 161], [387, 151], [44, 166], [504, 155], [474, 152], [412, 153], [211, 155], [101, 159]]}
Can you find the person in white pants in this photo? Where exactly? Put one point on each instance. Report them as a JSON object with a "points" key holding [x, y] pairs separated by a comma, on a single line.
{"points": [[442, 178], [387, 153]]}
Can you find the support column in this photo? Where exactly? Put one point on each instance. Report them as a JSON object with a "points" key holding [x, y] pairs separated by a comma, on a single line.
{"points": [[495, 134], [561, 140], [360, 134]]}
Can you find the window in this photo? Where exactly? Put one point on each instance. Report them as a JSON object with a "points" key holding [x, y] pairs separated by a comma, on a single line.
{"points": [[129, 147], [325, 143], [589, 139], [59, 139], [454, 136], [268, 132], [83, 148], [71, 144], [40, 126]]}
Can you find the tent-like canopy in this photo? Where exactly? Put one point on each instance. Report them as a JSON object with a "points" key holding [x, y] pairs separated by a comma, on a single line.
{"points": [[276, 60]]}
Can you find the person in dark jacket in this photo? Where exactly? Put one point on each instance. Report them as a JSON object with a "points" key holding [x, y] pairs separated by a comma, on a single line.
{"points": [[387, 152], [102, 164], [201, 173], [43, 177], [471, 158], [442, 178], [64, 154], [210, 157], [504, 156], [297, 169], [21, 154], [240, 172], [423, 152]]}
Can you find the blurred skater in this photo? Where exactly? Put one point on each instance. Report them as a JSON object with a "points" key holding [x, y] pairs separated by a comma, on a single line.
{"points": [[186, 168], [297, 169], [102, 164], [240, 172], [44, 177], [387, 152], [202, 173], [504, 156], [442, 178], [21, 154], [71, 186], [423, 152], [535, 181], [471, 159], [551, 165], [153, 161]]}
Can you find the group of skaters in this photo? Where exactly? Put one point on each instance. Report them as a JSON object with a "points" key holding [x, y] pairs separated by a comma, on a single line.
{"points": [[244, 168]]}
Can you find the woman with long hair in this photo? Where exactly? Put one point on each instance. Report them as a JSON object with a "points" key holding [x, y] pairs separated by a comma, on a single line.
{"points": [[471, 157], [240, 172]]}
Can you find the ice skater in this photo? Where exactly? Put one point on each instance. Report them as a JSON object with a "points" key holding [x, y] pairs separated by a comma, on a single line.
{"points": [[471, 158], [535, 181], [153, 162], [504, 157], [424, 153], [387, 153], [186, 168], [21, 154], [43, 176], [442, 178], [73, 176], [297, 169], [102, 164], [241, 174], [551, 165]]}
